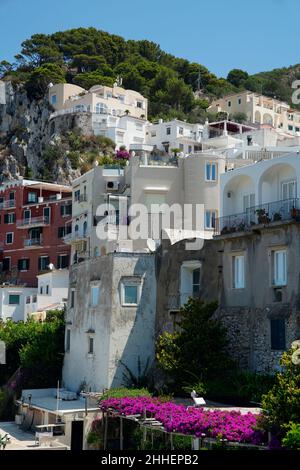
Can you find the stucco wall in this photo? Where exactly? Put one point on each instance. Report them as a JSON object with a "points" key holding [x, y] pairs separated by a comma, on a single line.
{"points": [[121, 334]]}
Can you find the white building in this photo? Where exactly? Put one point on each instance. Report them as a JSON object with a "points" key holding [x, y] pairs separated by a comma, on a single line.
{"points": [[53, 288], [264, 192], [260, 109], [175, 134], [17, 302], [110, 320]]}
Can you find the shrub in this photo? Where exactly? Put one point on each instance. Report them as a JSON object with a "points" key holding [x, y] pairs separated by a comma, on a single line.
{"points": [[125, 392], [292, 438], [282, 402]]}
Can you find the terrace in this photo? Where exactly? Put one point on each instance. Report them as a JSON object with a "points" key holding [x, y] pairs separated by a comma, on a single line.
{"points": [[264, 214]]}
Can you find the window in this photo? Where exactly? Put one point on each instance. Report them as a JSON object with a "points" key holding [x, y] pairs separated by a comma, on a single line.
{"points": [[297, 129], [139, 104], [238, 272], [46, 214], [101, 108], [190, 149], [168, 130], [278, 334], [229, 104], [95, 291], [66, 209], [53, 99], [210, 171], [77, 195], [9, 238], [91, 345], [120, 136], [290, 128], [32, 197], [180, 130], [9, 218], [28, 299], [72, 298], [43, 263], [63, 231], [153, 134], [288, 189], [239, 100], [47, 289], [196, 282], [23, 264], [181, 147], [27, 215], [14, 299], [34, 298], [279, 267], [130, 294], [41, 290], [68, 340], [62, 261], [6, 264], [210, 219]]}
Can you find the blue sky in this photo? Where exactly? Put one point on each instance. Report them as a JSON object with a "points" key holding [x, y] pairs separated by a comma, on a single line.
{"points": [[221, 34]]}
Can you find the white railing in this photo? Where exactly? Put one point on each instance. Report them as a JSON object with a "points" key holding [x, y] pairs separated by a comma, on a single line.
{"points": [[10, 203], [43, 220], [33, 242]]}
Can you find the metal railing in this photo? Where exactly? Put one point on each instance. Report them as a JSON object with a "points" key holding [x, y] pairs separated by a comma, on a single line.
{"points": [[8, 204], [265, 214], [42, 220], [33, 242]]}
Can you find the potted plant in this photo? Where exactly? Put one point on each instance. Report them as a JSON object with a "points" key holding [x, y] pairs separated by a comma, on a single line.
{"points": [[277, 216], [262, 216]]}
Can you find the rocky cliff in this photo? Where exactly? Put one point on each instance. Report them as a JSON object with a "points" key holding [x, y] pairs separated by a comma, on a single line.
{"points": [[26, 132]]}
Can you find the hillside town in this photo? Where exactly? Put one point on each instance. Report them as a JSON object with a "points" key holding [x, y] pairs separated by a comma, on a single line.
{"points": [[149, 251]]}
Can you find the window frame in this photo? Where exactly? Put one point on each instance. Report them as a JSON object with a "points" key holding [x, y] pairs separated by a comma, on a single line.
{"points": [[235, 270], [209, 178], [131, 282], [12, 238]]}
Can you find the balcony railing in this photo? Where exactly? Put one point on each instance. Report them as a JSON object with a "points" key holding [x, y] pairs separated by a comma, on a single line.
{"points": [[9, 204], [33, 242], [265, 214], [75, 236], [33, 221], [158, 160]]}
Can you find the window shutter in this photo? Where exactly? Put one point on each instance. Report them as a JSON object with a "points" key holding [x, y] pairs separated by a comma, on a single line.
{"points": [[6, 218], [40, 264], [20, 264]]}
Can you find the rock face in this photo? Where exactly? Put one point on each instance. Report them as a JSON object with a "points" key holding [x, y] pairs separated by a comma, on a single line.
{"points": [[25, 132]]}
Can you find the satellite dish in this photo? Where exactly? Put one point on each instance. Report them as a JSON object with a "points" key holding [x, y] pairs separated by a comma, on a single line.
{"points": [[51, 266], [151, 244]]}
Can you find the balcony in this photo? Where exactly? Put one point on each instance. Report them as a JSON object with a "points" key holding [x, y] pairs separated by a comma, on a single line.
{"points": [[159, 160], [33, 242], [33, 222], [75, 237], [9, 204], [264, 214]]}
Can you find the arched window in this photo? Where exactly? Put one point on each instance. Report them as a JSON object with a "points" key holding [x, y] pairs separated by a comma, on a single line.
{"points": [[84, 228]]}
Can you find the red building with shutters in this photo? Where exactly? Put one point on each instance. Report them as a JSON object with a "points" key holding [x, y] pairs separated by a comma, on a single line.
{"points": [[34, 217]]}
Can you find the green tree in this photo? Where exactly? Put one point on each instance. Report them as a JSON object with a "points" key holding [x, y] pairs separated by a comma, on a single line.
{"points": [[193, 351], [39, 79], [282, 402], [237, 77]]}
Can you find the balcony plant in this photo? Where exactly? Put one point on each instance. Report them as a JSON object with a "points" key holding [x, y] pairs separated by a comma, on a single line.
{"points": [[262, 216], [277, 216]]}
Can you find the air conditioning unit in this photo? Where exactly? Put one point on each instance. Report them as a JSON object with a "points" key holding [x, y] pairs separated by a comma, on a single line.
{"points": [[112, 185]]}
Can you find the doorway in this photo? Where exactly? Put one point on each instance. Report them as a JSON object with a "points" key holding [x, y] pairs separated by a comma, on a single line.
{"points": [[77, 435]]}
